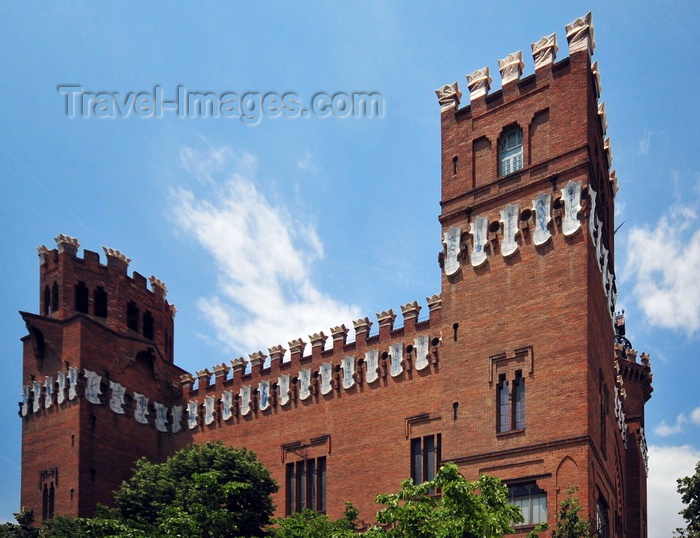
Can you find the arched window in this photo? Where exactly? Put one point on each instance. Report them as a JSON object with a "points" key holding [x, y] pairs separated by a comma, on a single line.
{"points": [[510, 151]]}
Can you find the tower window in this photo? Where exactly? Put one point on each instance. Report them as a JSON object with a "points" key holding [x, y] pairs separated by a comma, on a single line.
{"points": [[148, 325], [47, 300], [132, 316], [503, 406], [510, 404], [81, 298], [100, 296], [54, 297], [510, 151]]}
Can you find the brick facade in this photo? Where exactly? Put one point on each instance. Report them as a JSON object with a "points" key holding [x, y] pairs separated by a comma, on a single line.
{"points": [[514, 372]]}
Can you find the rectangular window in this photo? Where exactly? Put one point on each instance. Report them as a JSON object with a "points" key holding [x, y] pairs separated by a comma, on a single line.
{"points": [[306, 485], [602, 522], [531, 500], [425, 458], [510, 404], [519, 402], [503, 405]]}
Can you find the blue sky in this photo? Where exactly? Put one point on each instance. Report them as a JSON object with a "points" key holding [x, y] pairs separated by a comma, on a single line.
{"points": [[354, 201]]}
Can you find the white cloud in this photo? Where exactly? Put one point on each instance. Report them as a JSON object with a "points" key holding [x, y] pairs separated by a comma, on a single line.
{"points": [[264, 294], [695, 416], [665, 262], [644, 143], [665, 430], [666, 465], [306, 163]]}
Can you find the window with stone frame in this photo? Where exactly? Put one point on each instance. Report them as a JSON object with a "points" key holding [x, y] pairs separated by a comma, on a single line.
{"points": [[510, 403], [305, 483]]}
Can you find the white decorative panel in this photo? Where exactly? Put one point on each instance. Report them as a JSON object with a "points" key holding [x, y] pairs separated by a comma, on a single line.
{"points": [[116, 400], [73, 380], [509, 219], [326, 372], [92, 386], [26, 391], [192, 417], [620, 415], [591, 216], [37, 390], [264, 392], [226, 404], [48, 391], [479, 231], [396, 353], [177, 418], [209, 402], [245, 400], [604, 270], [372, 362], [542, 207], [451, 240], [644, 448], [348, 366], [571, 196], [283, 383], [161, 417], [141, 411], [304, 383], [61, 390], [421, 345], [599, 243]]}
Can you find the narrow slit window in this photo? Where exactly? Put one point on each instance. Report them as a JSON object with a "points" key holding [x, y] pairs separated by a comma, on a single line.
{"points": [[81, 298], [100, 298]]}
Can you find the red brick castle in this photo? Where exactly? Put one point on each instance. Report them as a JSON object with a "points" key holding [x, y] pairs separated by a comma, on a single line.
{"points": [[518, 371]]}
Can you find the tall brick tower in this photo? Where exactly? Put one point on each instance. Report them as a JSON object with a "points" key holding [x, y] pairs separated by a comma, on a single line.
{"points": [[533, 384], [98, 330]]}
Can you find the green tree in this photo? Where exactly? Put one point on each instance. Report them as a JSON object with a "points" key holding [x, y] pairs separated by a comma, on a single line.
{"points": [[463, 509], [689, 488], [310, 524], [206, 491], [570, 524], [23, 528]]}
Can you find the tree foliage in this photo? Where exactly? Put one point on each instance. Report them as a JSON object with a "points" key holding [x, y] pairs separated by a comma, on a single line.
{"points": [[23, 528], [689, 489], [206, 491], [570, 524], [310, 524], [463, 509]]}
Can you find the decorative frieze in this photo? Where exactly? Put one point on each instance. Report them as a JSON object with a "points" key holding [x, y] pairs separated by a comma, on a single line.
{"points": [[451, 239], [571, 197], [509, 222], [479, 232]]}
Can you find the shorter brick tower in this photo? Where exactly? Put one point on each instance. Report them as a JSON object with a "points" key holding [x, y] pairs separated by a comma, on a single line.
{"points": [[98, 330]]}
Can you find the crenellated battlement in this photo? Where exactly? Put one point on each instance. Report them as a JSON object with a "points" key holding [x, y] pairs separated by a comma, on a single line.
{"points": [[265, 382], [117, 263], [72, 285], [579, 35]]}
